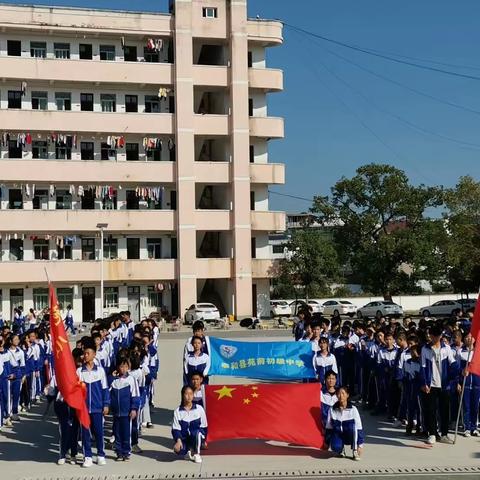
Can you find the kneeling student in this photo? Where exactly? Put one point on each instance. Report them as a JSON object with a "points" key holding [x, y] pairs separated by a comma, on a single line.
{"points": [[189, 427], [344, 426]]}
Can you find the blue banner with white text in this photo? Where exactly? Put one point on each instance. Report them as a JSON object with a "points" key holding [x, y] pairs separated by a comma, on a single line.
{"points": [[262, 360]]}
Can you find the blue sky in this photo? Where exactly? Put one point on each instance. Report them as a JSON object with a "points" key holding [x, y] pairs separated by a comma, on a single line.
{"points": [[339, 117]]}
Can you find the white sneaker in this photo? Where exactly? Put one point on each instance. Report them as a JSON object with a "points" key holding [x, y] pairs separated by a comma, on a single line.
{"points": [[197, 458], [15, 417], [466, 433], [397, 424], [101, 461], [111, 440], [431, 440], [61, 461], [8, 422], [136, 449], [446, 439], [476, 433], [356, 456], [88, 462]]}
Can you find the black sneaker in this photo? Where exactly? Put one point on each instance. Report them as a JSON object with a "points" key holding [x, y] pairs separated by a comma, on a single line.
{"points": [[119, 458]]}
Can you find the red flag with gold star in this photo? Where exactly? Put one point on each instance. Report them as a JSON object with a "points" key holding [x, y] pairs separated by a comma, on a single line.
{"points": [[284, 412], [73, 391]]}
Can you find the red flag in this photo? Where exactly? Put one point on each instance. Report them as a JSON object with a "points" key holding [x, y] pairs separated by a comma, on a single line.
{"points": [[285, 412], [474, 366], [72, 390], [475, 328]]}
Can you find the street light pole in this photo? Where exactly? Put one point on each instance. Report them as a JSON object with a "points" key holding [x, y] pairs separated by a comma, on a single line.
{"points": [[102, 227]]}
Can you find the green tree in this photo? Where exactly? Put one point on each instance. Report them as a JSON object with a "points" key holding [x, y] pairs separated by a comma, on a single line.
{"points": [[383, 231], [311, 264], [462, 240]]}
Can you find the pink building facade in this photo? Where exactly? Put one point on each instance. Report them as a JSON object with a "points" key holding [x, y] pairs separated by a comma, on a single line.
{"points": [[155, 125]]}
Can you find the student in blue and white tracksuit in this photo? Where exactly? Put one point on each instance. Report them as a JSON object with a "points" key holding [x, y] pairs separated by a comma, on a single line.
{"points": [[139, 373], [471, 395], [196, 382], [68, 423], [17, 372], [69, 325], [412, 384], [198, 329], [323, 360], [98, 400], [5, 399], [329, 395], [438, 369], [344, 426], [32, 369], [386, 363], [197, 361], [124, 404], [189, 427]]}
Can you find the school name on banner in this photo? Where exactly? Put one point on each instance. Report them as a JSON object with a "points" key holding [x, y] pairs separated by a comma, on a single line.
{"points": [[262, 360]]}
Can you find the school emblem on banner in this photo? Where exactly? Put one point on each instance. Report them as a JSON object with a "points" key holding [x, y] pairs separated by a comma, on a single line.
{"points": [[228, 351]]}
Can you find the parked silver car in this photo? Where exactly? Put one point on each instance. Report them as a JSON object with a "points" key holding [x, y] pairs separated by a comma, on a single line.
{"points": [[380, 308], [442, 307]]}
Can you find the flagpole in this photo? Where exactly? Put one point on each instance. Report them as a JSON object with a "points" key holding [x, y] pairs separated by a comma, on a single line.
{"points": [[46, 274], [470, 349]]}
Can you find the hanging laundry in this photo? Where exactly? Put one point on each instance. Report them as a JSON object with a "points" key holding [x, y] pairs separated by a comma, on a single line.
{"points": [[122, 42], [28, 139], [52, 190], [23, 88], [171, 144], [80, 191]]}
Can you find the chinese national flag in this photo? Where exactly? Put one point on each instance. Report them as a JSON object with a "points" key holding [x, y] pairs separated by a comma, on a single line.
{"points": [[284, 412], [72, 390]]}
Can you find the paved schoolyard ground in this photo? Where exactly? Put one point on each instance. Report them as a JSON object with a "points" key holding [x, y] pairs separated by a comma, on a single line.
{"points": [[29, 450]]}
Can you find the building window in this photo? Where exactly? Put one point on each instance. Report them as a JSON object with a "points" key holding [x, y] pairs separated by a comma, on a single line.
{"points": [[108, 153], [85, 51], [14, 99], [38, 49], [110, 248], [88, 200], [40, 200], [65, 297], [88, 249], [65, 252], [108, 102], [15, 199], [151, 56], [16, 250], [133, 248], [131, 103], [14, 48], [86, 151], [86, 102], [40, 249], [107, 52], [110, 203], [250, 107], [39, 149], [110, 297], [253, 246], [252, 200], [130, 53], [63, 100], [14, 149], [154, 154], [40, 298], [61, 50], [250, 60], [252, 153], [62, 152], [154, 248], [131, 151], [154, 298], [173, 200], [209, 12], [152, 104], [39, 101], [154, 204], [64, 200], [278, 248], [132, 200]]}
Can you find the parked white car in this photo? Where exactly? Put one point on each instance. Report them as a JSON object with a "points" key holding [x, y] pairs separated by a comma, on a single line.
{"points": [[316, 305], [207, 312], [442, 307], [382, 308], [339, 307], [280, 308], [467, 303]]}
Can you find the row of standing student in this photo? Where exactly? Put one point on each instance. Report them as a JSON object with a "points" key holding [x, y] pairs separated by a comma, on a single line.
{"points": [[413, 375]]}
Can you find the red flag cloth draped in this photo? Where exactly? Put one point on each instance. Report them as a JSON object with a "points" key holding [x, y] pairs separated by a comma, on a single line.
{"points": [[284, 412], [475, 328], [474, 366], [72, 390]]}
